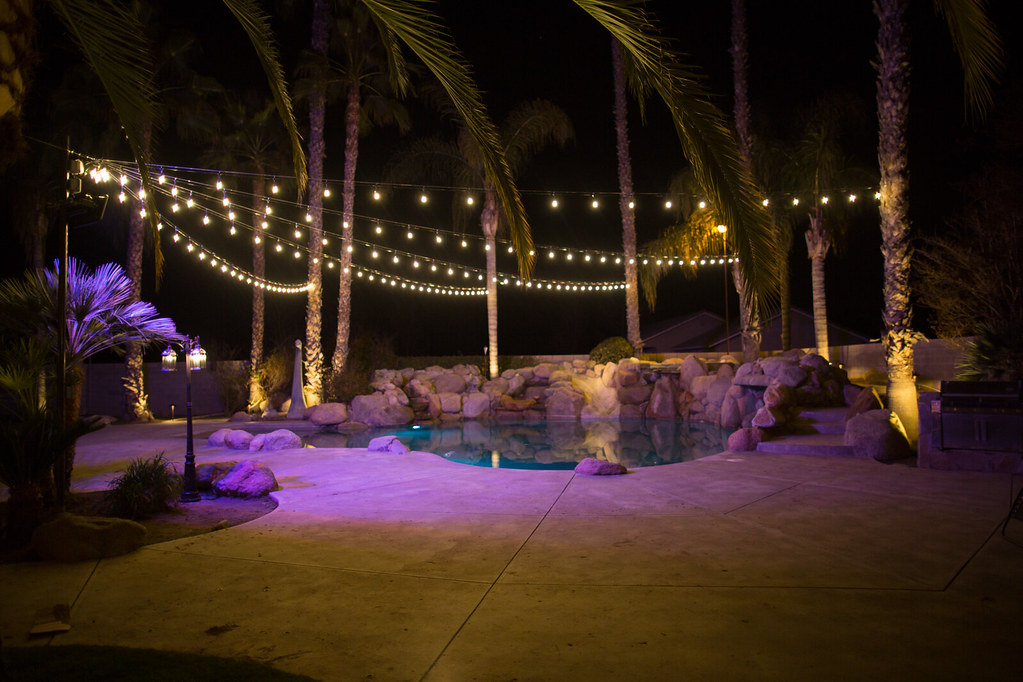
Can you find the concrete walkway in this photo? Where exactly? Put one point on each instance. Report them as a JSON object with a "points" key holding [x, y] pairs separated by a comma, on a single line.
{"points": [[746, 566]]}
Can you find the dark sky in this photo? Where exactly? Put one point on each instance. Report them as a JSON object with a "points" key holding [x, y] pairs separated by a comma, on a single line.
{"points": [[799, 50]]}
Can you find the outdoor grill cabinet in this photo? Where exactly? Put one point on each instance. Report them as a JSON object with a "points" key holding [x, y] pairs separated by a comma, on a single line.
{"points": [[982, 415]]}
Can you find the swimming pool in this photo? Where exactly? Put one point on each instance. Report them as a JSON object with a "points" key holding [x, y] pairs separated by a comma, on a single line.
{"points": [[550, 445]]}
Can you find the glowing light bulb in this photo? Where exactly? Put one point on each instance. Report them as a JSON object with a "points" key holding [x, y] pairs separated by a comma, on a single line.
{"points": [[298, 233], [258, 240], [423, 198], [375, 254], [395, 259], [702, 204], [595, 203], [189, 202], [469, 200], [174, 191], [603, 259], [554, 202], [486, 247], [264, 224], [464, 243], [439, 238], [121, 197], [409, 234], [379, 230], [297, 254], [308, 218], [326, 191], [852, 198], [765, 202], [279, 248], [274, 189], [632, 204], [232, 231], [226, 201], [415, 264], [176, 238], [550, 254], [162, 179], [667, 204], [795, 201], [142, 193], [568, 257], [230, 215], [324, 241], [376, 195], [511, 249], [824, 200], [220, 183], [206, 219]]}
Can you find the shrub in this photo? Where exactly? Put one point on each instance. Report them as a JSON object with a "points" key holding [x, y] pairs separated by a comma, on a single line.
{"points": [[367, 353], [146, 486], [613, 349]]}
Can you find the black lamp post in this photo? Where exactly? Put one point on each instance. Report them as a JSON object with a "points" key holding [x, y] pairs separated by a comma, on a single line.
{"points": [[195, 359]]}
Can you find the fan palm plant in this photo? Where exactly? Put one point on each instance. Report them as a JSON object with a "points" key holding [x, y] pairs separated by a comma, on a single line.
{"points": [[101, 314]]}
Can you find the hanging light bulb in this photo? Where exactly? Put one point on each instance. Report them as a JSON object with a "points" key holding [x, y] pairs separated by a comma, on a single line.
{"points": [[469, 200], [189, 202], [554, 202], [422, 197], [326, 192], [376, 194], [765, 202], [409, 234], [379, 229], [594, 203], [226, 201], [206, 219], [439, 239], [824, 200], [298, 232], [308, 217], [274, 188], [324, 241], [264, 225], [174, 191], [220, 183], [795, 201], [230, 215], [667, 204], [702, 204], [162, 179], [232, 231]]}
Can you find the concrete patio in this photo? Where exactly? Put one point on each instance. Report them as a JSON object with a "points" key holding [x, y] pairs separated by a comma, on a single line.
{"points": [[739, 566]]}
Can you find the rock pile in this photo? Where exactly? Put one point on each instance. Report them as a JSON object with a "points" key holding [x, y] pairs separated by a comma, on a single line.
{"points": [[761, 394]]}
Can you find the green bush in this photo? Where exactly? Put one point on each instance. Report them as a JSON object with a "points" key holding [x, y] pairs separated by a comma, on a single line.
{"points": [[146, 486], [613, 349]]}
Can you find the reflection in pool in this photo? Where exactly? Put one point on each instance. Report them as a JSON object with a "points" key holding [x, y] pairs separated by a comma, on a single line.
{"points": [[551, 445]]}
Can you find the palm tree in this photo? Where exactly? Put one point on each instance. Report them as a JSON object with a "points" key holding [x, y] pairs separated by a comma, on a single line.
{"points": [[980, 53], [365, 77], [626, 199], [748, 313], [526, 130], [101, 314]]}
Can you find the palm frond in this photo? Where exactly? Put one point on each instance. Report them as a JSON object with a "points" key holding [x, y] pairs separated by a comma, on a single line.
{"points": [[706, 140], [979, 48], [421, 30], [530, 127], [257, 26]]}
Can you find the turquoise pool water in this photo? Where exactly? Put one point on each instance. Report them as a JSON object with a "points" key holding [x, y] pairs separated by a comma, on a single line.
{"points": [[551, 445]]}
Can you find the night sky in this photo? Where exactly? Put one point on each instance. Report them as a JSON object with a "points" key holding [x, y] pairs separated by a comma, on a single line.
{"points": [[799, 51]]}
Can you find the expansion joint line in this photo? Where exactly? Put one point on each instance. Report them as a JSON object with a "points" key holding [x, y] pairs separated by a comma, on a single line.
{"points": [[494, 582]]}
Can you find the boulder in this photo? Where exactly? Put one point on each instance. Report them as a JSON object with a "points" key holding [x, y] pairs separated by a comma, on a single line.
{"points": [[692, 367], [591, 466], [497, 386], [628, 373], [247, 478], [730, 416], [663, 400], [256, 444], [779, 395], [515, 405], [375, 410], [450, 383], [450, 403], [564, 403], [607, 375], [812, 361], [768, 417], [542, 372], [726, 371], [242, 417], [700, 385], [218, 438], [475, 405], [745, 440], [396, 396], [281, 439], [774, 364], [866, 399], [718, 390], [748, 369], [208, 474], [238, 439], [419, 388], [328, 414], [86, 538], [634, 394], [387, 444], [877, 434], [792, 375], [516, 385]]}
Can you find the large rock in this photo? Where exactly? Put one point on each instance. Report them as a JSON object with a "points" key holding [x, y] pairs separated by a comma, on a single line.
{"points": [[700, 386], [247, 478], [591, 466], [542, 372], [812, 361], [718, 390], [238, 439], [608, 373], [419, 388], [730, 416], [779, 395], [498, 386], [564, 403], [475, 405], [516, 385], [218, 439], [376, 410], [663, 400], [281, 439], [208, 474], [450, 403], [866, 399], [792, 375], [877, 434], [387, 444], [86, 538], [768, 418], [450, 383], [692, 367], [745, 440], [628, 373], [328, 414], [508, 403], [634, 394]]}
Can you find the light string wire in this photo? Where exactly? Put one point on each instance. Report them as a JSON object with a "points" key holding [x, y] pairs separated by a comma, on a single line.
{"points": [[204, 194]]}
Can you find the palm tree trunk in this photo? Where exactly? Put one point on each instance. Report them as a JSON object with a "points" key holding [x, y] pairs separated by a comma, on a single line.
{"points": [[626, 201], [72, 412], [24, 513], [317, 148], [136, 402], [344, 296], [257, 392], [817, 245], [892, 110], [785, 296], [488, 218], [749, 316]]}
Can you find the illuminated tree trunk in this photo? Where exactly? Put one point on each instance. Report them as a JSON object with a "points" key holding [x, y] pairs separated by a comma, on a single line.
{"points": [[785, 296], [257, 392], [136, 402], [344, 296], [817, 245], [626, 201], [488, 219], [749, 315], [314, 301], [892, 108]]}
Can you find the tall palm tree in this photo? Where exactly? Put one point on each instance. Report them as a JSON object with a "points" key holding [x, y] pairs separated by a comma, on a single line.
{"points": [[101, 314], [626, 199], [526, 130], [364, 74], [749, 315], [980, 53]]}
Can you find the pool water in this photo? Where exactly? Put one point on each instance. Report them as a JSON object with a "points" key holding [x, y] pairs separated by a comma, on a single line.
{"points": [[551, 445]]}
